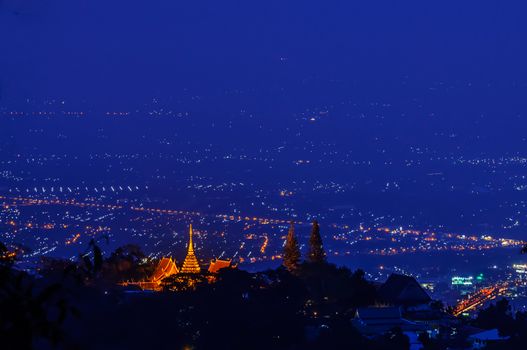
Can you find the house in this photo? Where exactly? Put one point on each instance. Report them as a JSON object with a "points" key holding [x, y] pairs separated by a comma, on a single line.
{"points": [[218, 264], [482, 339], [374, 321], [403, 290]]}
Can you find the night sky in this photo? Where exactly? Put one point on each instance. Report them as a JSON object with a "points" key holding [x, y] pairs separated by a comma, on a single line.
{"points": [[121, 50], [377, 95]]}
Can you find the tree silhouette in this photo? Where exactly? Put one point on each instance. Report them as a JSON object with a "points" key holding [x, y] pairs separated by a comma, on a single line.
{"points": [[316, 249], [30, 311], [395, 339], [291, 250], [127, 262], [498, 315], [92, 266]]}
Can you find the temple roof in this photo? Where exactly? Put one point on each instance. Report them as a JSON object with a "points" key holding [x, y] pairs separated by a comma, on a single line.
{"points": [[217, 264], [165, 268], [403, 290], [379, 320]]}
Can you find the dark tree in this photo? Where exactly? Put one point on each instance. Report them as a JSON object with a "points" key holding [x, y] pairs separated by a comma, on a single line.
{"points": [[335, 288], [127, 262], [92, 266], [291, 250], [31, 313], [338, 333], [429, 343], [395, 339], [498, 315], [316, 248]]}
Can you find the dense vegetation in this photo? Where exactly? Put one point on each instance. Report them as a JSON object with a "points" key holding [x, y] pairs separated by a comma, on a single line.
{"points": [[69, 302], [80, 305]]}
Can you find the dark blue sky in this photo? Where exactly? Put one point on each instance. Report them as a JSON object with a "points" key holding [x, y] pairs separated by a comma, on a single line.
{"points": [[410, 86], [100, 49]]}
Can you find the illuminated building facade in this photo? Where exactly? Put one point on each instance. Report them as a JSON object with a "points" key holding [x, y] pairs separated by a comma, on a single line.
{"points": [[462, 281], [166, 267], [190, 265], [168, 276], [216, 265], [520, 268]]}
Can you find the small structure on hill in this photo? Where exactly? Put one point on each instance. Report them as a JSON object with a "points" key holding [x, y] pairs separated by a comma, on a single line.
{"points": [[482, 339], [166, 267], [375, 321], [168, 276], [190, 264], [217, 264], [403, 290]]}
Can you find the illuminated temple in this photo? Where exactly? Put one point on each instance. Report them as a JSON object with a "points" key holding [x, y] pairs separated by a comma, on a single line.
{"points": [[189, 273], [190, 265]]}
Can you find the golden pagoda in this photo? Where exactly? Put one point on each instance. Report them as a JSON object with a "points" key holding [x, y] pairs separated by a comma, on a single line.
{"points": [[190, 265]]}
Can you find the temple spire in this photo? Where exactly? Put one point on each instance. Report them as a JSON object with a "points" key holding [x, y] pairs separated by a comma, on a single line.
{"points": [[190, 243], [190, 265]]}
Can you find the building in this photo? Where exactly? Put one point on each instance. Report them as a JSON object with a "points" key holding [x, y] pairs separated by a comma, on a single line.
{"points": [[167, 274], [482, 339], [216, 265], [403, 290], [166, 267], [190, 264], [375, 321]]}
